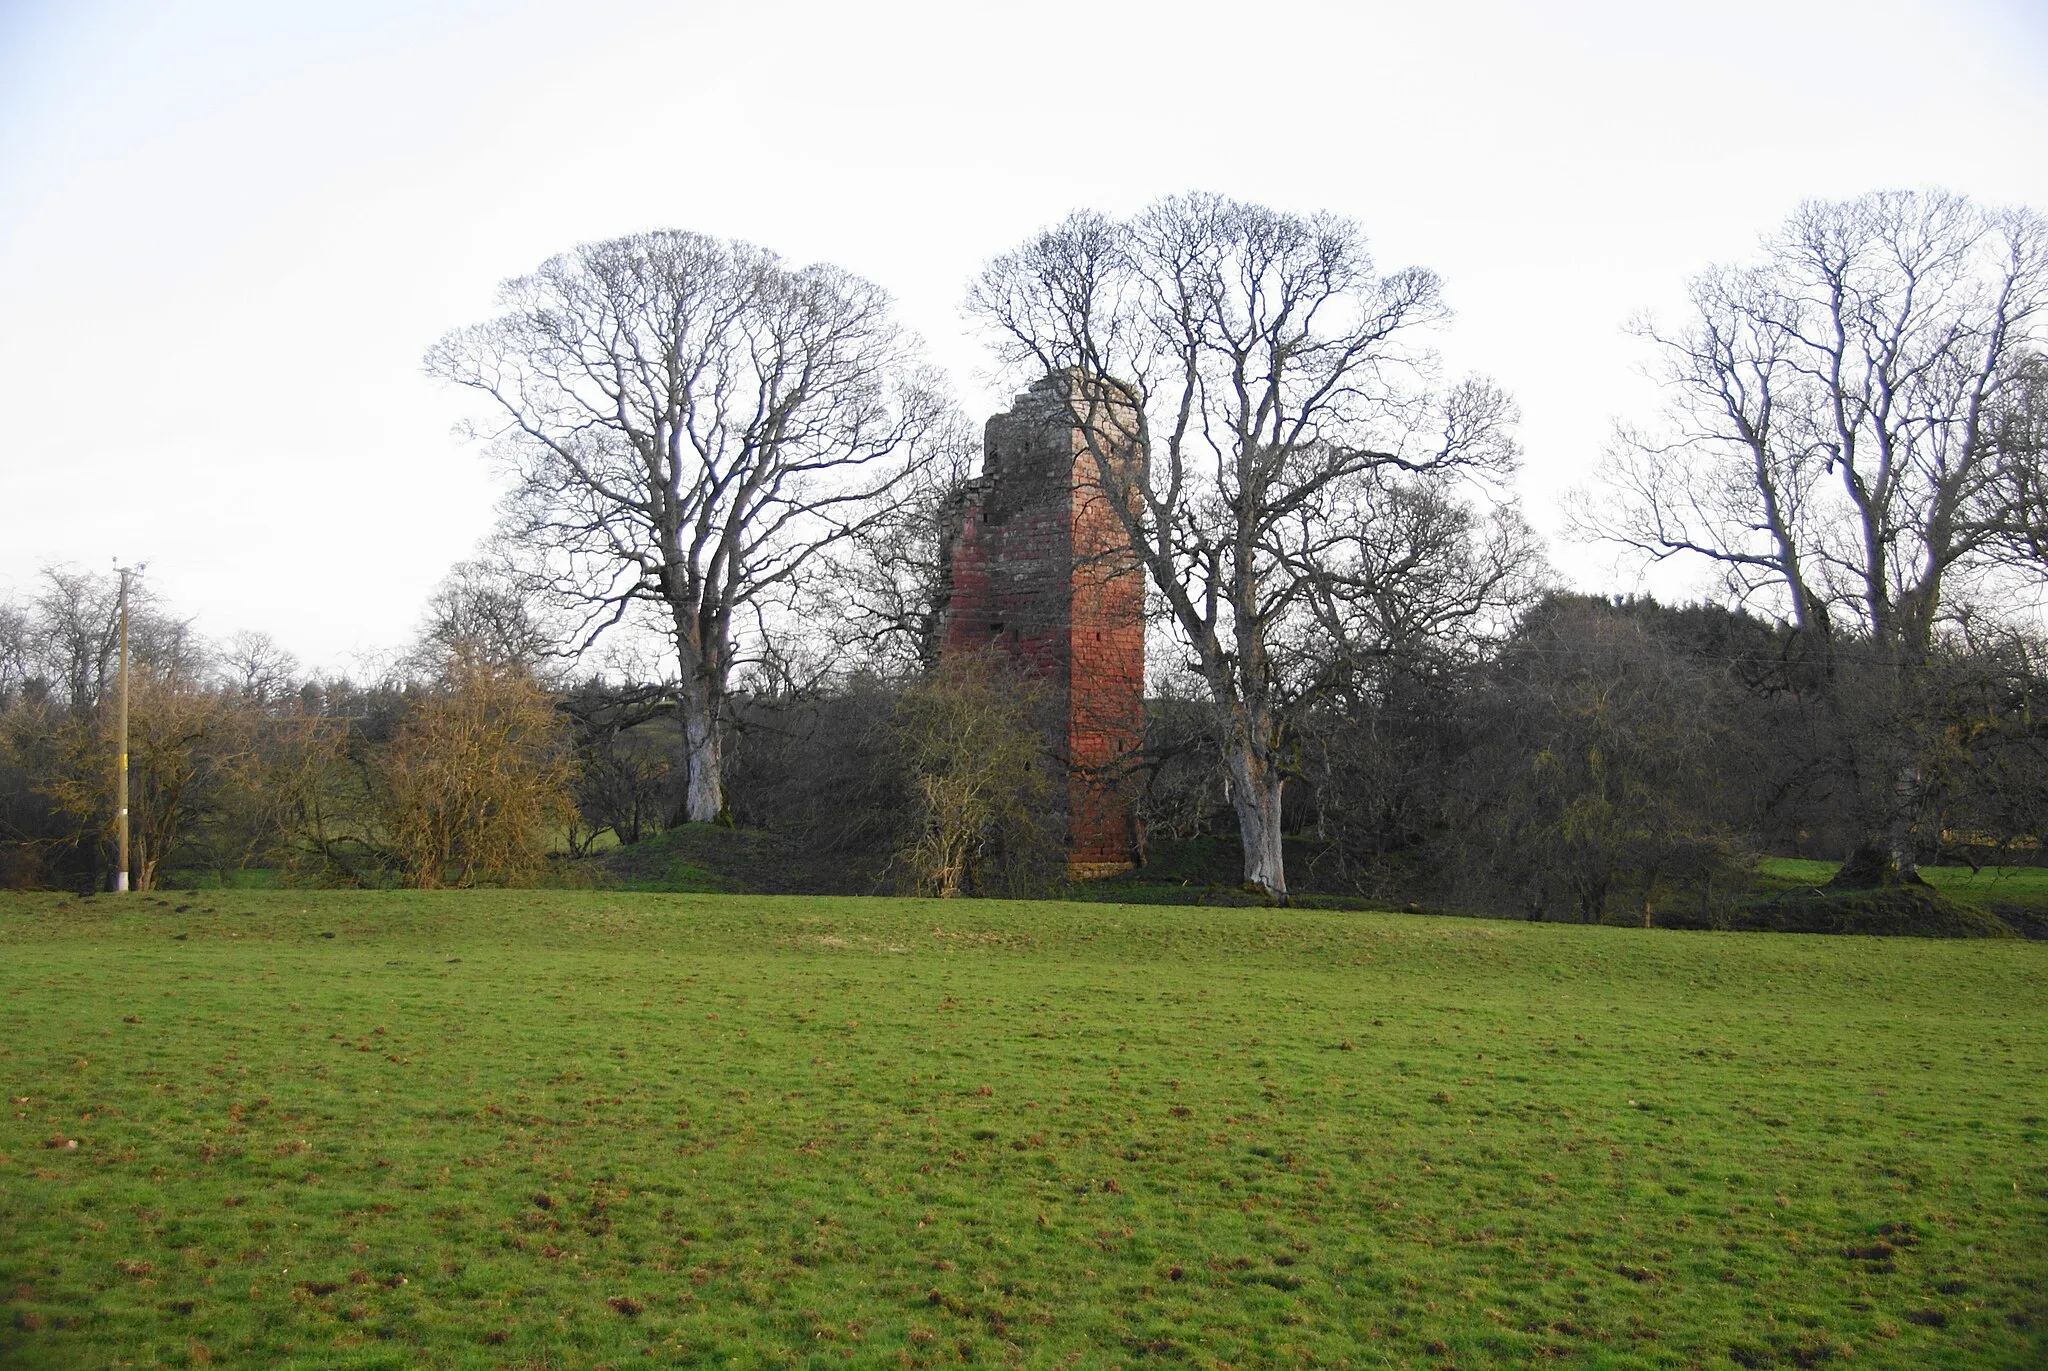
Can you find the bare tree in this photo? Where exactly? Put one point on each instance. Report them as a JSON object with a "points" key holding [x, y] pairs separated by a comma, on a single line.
{"points": [[1424, 593], [480, 610], [75, 635], [477, 778], [974, 758], [626, 772], [889, 586], [185, 742], [257, 668], [17, 652], [2020, 436], [1269, 376], [1828, 444], [77, 619], [274, 783], [1410, 570], [689, 421]]}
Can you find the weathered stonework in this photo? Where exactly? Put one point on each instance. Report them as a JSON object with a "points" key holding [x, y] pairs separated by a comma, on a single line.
{"points": [[1043, 572]]}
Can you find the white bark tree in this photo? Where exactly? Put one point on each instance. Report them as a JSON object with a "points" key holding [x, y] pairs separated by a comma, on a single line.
{"points": [[1829, 444], [689, 420], [1272, 377]]}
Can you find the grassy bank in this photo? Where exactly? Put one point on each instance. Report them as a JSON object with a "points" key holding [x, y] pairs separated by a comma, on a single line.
{"points": [[1988, 887], [564, 1129]]}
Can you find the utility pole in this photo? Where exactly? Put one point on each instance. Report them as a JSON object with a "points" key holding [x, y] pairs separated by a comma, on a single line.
{"points": [[121, 747]]}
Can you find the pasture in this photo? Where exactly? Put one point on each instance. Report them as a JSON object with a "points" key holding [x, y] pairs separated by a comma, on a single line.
{"points": [[1994, 886], [572, 1129]]}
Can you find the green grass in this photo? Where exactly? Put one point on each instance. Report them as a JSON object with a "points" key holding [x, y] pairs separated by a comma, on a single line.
{"points": [[708, 859], [575, 1129], [246, 878], [1993, 885]]}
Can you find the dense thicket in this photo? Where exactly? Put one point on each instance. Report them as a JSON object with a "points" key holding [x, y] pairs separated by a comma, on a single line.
{"points": [[1598, 758], [1589, 759], [453, 767]]}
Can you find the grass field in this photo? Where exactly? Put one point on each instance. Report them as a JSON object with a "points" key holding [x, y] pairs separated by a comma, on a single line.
{"points": [[333, 1129], [2020, 885]]}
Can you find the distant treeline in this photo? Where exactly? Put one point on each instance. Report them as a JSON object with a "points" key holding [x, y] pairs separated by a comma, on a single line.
{"points": [[1591, 759], [1599, 757], [452, 766]]}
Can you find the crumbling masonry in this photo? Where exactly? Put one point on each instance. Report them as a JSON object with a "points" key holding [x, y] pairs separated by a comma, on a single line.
{"points": [[1043, 573]]}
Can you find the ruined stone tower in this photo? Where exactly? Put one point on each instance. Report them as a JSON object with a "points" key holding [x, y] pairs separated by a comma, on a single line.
{"points": [[1043, 573]]}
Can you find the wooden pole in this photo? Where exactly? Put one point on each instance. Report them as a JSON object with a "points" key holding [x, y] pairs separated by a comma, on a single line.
{"points": [[121, 763]]}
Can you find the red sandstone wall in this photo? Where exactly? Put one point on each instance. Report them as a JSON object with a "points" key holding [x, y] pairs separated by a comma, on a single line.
{"points": [[1042, 571]]}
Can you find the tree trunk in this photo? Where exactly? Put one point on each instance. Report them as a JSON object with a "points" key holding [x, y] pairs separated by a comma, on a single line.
{"points": [[1905, 808], [1255, 794], [704, 800], [701, 679], [952, 866], [1875, 865], [1887, 855]]}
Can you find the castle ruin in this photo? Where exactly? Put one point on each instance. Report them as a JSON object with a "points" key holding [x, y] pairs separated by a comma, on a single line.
{"points": [[1043, 574]]}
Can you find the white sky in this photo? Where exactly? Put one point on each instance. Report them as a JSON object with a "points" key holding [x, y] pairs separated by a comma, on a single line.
{"points": [[228, 230]]}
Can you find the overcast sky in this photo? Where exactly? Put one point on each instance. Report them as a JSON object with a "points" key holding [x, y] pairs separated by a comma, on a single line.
{"points": [[228, 230]]}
